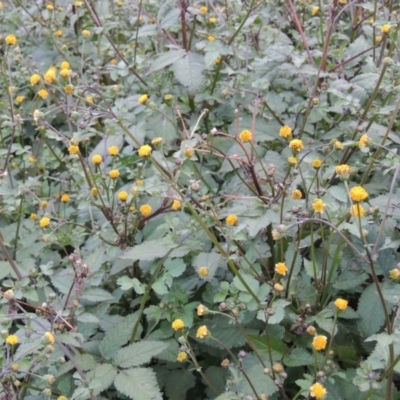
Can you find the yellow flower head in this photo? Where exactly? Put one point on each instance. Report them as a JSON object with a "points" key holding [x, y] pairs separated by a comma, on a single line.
{"points": [[73, 149], [34, 79], [281, 268], [338, 145], [43, 93], [394, 274], [296, 194], [94, 191], [212, 20], [285, 131], [97, 159], [317, 163], [9, 294], [364, 140], [78, 3], [65, 73], [143, 99], [20, 99], [86, 33], [34, 217], [44, 222], [145, 150], [385, 28], [114, 174], [69, 89], [202, 332], [178, 325], [311, 330], [278, 287], [15, 367], [65, 198], [201, 310], [31, 159], [188, 153], [89, 99], [343, 170], [378, 38], [314, 10], [211, 38], [44, 205], [317, 391], [203, 271], [292, 160], [246, 135], [176, 205], [357, 210], [65, 65], [182, 356], [61, 398], [204, 10], [277, 367], [113, 151], [296, 145], [122, 195], [12, 340], [157, 141], [145, 209], [49, 337], [58, 32], [11, 40], [50, 7], [231, 220], [51, 75], [341, 304], [318, 205], [319, 342], [168, 97], [358, 193]]}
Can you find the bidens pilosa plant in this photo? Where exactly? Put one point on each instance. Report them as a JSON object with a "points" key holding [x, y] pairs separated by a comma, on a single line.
{"points": [[199, 199]]}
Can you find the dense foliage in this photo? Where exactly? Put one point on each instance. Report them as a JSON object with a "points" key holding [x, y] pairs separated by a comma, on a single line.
{"points": [[199, 200]]}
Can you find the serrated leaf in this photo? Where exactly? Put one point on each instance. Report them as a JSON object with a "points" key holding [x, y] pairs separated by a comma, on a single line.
{"points": [[370, 311], [178, 383], [229, 396], [298, 357], [87, 318], [101, 377], [168, 58], [189, 71], [253, 284], [127, 283], [96, 295], [149, 250], [350, 280], [338, 193], [264, 345], [138, 384], [138, 353], [118, 336]]}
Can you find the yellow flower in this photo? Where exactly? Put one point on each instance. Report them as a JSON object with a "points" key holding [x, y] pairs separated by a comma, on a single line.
{"points": [[311, 330], [58, 32], [157, 141], [317, 163], [342, 1], [139, 182], [204, 10], [201, 310], [357, 210], [317, 391], [50, 7], [44, 222], [338, 145], [168, 97], [231, 220], [203, 271], [145, 151], [65, 198], [65, 65], [385, 28], [202, 332], [94, 191], [113, 151], [278, 287], [176, 205], [113, 61], [73, 149], [97, 159], [89, 99], [31, 159], [15, 367], [61, 398], [217, 60], [20, 99], [341, 304], [225, 363], [145, 209], [49, 337], [178, 325], [296, 194], [278, 367], [343, 170], [122, 195], [188, 153], [246, 135], [212, 20], [78, 4], [12, 340], [292, 160], [11, 40], [9, 294], [319, 342], [50, 75], [34, 79], [314, 10], [34, 217], [143, 99], [285, 131], [394, 274], [114, 174], [296, 145], [364, 140], [43, 93], [318, 205], [86, 33], [65, 73], [358, 193], [182, 356], [281, 268], [69, 89], [211, 38], [43, 205]]}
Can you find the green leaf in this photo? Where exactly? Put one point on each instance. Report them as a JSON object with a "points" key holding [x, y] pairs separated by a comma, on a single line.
{"points": [[101, 377], [96, 295], [188, 71], [127, 283], [349, 280], [298, 357], [118, 336], [149, 250], [277, 347], [168, 58], [370, 311], [175, 267], [229, 396], [138, 353], [253, 283], [178, 383], [138, 384]]}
